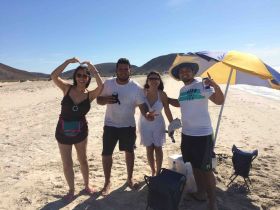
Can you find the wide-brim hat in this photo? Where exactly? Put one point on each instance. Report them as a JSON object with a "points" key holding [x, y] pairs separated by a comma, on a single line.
{"points": [[182, 62]]}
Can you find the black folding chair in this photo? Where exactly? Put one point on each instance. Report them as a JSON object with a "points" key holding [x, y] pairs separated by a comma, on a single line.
{"points": [[242, 163], [165, 190]]}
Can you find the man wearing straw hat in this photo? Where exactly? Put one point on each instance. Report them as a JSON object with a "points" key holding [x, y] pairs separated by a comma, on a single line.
{"points": [[197, 142]]}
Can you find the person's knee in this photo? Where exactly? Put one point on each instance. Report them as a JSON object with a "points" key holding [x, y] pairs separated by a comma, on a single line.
{"points": [[158, 149], [67, 164], [83, 160], [107, 152]]}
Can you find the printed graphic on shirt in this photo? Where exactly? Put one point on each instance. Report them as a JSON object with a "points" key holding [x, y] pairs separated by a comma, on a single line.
{"points": [[191, 94]]}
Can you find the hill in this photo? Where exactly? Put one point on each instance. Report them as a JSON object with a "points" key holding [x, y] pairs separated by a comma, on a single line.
{"points": [[105, 69], [40, 75], [8, 73], [160, 64]]}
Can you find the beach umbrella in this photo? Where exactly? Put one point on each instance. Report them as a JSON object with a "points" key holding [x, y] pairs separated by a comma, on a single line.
{"points": [[230, 67]]}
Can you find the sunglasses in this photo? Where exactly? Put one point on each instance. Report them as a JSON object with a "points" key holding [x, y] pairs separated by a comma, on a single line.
{"points": [[153, 78], [84, 76]]}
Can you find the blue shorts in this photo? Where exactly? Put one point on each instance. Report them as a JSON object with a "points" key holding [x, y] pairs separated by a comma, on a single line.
{"points": [[198, 150], [111, 135]]}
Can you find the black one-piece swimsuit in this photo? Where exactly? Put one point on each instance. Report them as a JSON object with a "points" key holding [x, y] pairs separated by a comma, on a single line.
{"points": [[74, 116]]}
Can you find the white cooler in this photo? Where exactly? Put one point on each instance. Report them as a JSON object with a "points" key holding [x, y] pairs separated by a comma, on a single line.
{"points": [[176, 163]]}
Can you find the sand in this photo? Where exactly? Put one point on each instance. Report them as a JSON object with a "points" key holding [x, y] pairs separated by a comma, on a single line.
{"points": [[31, 174]]}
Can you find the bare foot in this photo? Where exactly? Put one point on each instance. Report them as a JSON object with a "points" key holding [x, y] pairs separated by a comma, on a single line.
{"points": [[90, 191], [69, 196], [132, 185], [106, 189]]}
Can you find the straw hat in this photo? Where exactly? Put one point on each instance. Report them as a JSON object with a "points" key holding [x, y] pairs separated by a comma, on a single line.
{"points": [[181, 62]]}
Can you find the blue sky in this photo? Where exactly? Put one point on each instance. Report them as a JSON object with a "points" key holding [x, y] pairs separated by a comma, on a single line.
{"points": [[39, 35]]}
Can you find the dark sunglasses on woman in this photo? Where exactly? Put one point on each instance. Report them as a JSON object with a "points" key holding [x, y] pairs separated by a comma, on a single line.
{"points": [[153, 78], [84, 76]]}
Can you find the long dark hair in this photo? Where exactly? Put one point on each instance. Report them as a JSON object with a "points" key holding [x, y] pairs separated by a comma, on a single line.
{"points": [[161, 86], [87, 72]]}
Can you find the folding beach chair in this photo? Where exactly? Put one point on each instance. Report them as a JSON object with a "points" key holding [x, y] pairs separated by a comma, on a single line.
{"points": [[242, 163], [165, 190]]}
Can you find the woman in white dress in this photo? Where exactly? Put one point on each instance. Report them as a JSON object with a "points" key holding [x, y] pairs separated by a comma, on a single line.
{"points": [[153, 132]]}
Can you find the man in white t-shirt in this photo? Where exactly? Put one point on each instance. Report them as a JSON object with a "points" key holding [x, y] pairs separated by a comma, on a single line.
{"points": [[121, 95], [197, 142]]}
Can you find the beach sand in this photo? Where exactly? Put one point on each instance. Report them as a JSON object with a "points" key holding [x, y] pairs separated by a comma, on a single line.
{"points": [[31, 174]]}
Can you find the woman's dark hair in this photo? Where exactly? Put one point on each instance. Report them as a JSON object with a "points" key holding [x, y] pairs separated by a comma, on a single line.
{"points": [[87, 72], [160, 87]]}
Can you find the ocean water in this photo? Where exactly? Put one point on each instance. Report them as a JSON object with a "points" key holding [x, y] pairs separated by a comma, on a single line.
{"points": [[258, 90]]}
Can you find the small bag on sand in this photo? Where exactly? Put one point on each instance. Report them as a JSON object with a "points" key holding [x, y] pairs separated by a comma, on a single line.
{"points": [[165, 190]]}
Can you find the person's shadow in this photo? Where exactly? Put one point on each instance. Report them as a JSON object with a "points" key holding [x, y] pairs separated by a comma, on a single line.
{"points": [[60, 203], [234, 197], [119, 199]]}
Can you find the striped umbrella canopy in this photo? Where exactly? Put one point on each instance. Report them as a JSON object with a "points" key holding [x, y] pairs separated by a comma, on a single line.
{"points": [[244, 68], [230, 67]]}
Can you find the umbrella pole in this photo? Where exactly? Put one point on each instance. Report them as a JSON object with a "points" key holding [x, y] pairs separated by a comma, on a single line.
{"points": [[222, 107]]}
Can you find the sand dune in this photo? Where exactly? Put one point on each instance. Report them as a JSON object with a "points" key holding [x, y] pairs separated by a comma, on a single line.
{"points": [[31, 174]]}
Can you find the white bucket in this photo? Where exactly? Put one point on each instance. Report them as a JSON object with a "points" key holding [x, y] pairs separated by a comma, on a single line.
{"points": [[176, 163]]}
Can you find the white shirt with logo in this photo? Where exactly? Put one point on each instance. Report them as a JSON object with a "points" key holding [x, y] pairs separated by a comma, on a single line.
{"points": [[130, 95], [193, 101]]}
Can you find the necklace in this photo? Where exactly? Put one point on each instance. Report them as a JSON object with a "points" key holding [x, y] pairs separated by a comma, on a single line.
{"points": [[75, 108]]}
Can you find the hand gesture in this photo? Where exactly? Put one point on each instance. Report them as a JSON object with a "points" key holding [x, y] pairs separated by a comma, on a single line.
{"points": [[150, 116], [73, 60], [209, 81], [91, 67]]}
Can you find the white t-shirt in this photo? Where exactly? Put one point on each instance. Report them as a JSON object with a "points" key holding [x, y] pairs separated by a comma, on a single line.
{"points": [[130, 95], [193, 101]]}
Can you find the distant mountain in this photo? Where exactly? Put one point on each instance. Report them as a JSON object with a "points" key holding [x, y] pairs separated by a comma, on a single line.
{"points": [[160, 64], [8, 73], [40, 75], [105, 69]]}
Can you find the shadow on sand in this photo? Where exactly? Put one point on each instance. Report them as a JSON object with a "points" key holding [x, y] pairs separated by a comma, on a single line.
{"points": [[235, 197], [119, 199]]}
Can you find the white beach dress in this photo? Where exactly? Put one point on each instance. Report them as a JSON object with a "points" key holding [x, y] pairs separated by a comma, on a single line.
{"points": [[153, 132]]}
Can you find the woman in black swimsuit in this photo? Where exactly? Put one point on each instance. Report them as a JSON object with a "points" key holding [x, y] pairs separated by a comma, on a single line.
{"points": [[72, 128]]}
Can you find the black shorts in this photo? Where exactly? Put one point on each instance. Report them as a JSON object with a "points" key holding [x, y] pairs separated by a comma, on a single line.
{"points": [[111, 135], [198, 150]]}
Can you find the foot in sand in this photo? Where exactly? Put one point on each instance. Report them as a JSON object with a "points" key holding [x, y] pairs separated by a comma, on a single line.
{"points": [[69, 196], [90, 191], [106, 189], [132, 185]]}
